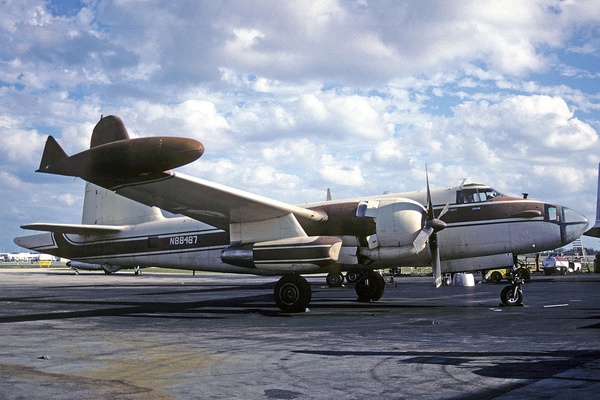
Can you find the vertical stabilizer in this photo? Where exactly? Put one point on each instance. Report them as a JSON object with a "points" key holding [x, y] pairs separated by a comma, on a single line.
{"points": [[52, 153], [595, 230], [597, 224], [104, 207]]}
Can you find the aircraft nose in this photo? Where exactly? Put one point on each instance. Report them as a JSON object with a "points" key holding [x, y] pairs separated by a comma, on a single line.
{"points": [[575, 224]]}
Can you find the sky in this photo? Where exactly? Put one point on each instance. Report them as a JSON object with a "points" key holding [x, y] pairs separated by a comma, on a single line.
{"points": [[290, 98]]}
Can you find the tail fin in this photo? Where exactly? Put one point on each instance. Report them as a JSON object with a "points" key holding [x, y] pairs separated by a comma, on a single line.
{"points": [[595, 230], [108, 129], [104, 207], [52, 153]]}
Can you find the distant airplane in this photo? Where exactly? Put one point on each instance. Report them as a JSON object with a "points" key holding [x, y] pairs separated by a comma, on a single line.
{"points": [[466, 228]]}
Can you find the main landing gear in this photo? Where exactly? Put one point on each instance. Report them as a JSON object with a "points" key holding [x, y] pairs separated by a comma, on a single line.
{"points": [[370, 286], [293, 293], [512, 295]]}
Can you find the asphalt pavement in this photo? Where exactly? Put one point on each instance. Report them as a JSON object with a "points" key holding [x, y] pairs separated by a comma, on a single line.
{"points": [[218, 336]]}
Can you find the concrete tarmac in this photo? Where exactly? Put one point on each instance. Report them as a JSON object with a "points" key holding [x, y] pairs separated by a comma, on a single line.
{"points": [[211, 336]]}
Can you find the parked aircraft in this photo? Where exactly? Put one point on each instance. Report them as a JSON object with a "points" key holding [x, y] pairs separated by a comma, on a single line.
{"points": [[466, 228]]}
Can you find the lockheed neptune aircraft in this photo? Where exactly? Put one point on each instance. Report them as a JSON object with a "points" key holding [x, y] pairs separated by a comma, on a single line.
{"points": [[218, 228]]}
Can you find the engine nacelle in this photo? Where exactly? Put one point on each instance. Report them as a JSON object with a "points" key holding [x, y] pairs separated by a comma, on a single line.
{"points": [[294, 254], [397, 221]]}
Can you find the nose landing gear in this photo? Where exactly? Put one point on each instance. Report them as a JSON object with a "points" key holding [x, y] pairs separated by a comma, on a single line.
{"points": [[512, 295]]}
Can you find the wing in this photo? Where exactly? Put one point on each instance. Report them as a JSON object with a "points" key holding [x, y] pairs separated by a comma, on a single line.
{"points": [[209, 202]]}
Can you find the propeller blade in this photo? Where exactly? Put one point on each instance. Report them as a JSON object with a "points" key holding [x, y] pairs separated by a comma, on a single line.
{"points": [[429, 201], [437, 267], [433, 225], [444, 210], [422, 238]]}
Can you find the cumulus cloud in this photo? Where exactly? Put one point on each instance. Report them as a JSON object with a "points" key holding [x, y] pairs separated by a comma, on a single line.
{"points": [[290, 98], [520, 123]]}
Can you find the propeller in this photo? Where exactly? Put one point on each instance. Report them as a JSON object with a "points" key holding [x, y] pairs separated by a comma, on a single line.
{"points": [[429, 233]]}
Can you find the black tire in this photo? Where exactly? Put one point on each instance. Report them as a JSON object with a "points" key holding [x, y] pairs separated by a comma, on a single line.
{"points": [[292, 293], [510, 298], [496, 277], [352, 277], [335, 279], [370, 286]]}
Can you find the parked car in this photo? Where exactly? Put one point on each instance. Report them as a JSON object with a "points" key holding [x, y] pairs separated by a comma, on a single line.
{"points": [[497, 275]]}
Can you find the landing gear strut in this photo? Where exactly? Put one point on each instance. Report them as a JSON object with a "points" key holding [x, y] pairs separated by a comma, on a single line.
{"points": [[370, 286], [292, 293], [512, 295]]}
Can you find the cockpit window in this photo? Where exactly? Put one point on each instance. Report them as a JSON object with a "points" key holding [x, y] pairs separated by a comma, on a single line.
{"points": [[551, 213], [476, 195]]}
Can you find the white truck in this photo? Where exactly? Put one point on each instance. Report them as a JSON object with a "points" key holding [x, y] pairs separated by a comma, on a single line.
{"points": [[559, 265]]}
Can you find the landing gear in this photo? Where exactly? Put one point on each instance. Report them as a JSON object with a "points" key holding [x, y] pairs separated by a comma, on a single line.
{"points": [[512, 295], [370, 286], [352, 277], [292, 293], [335, 279]]}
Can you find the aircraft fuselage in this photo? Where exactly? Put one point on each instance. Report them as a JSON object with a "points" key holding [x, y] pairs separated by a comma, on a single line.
{"points": [[476, 229]]}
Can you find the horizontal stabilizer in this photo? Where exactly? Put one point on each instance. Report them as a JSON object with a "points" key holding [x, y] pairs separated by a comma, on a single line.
{"points": [[75, 228]]}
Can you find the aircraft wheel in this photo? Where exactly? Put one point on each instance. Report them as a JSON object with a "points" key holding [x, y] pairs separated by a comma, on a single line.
{"points": [[509, 297], [335, 279], [292, 293], [352, 277], [370, 286]]}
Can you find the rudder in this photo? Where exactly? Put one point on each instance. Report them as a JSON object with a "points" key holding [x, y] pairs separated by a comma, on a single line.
{"points": [[104, 207]]}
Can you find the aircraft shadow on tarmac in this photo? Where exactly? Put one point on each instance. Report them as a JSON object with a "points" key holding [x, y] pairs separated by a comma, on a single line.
{"points": [[541, 365], [243, 305]]}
